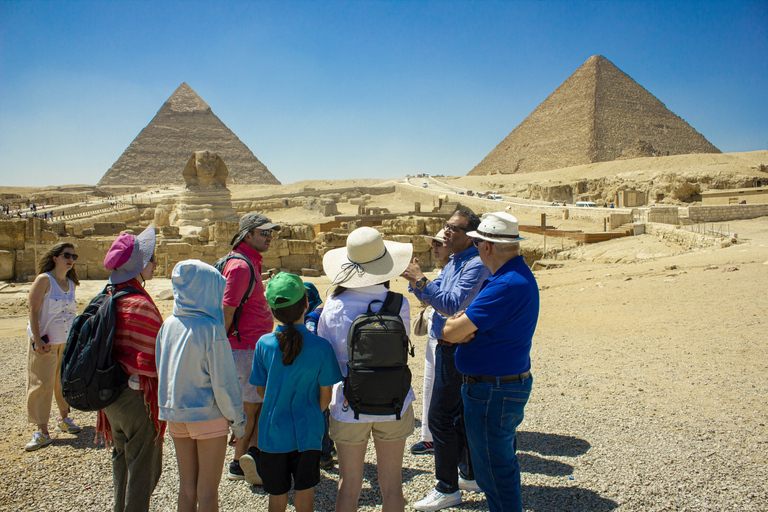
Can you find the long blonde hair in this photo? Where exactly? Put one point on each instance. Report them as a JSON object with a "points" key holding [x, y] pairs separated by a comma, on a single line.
{"points": [[46, 263]]}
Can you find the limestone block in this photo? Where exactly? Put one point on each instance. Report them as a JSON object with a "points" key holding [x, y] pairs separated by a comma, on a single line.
{"points": [[179, 251], [170, 231], [12, 233], [222, 232], [87, 232], [403, 239], [279, 248], [358, 201], [108, 228], [425, 259], [433, 224], [405, 226], [7, 265], [310, 272], [148, 214], [331, 240], [420, 244], [162, 214], [270, 261], [48, 236], [298, 232], [295, 262], [301, 247]]}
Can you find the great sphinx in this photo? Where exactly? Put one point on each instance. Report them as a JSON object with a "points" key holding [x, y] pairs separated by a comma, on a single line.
{"points": [[204, 201]]}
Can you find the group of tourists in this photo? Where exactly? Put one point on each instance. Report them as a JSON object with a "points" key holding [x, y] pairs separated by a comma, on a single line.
{"points": [[218, 367]]}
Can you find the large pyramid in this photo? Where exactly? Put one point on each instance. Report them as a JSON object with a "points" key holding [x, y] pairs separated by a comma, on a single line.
{"points": [[183, 125], [598, 114]]}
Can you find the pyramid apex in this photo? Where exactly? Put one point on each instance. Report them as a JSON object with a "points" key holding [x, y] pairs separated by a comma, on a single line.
{"points": [[185, 99]]}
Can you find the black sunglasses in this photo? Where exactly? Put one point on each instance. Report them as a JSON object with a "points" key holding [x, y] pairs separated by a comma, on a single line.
{"points": [[267, 233], [436, 243], [69, 255], [476, 242], [451, 227]]}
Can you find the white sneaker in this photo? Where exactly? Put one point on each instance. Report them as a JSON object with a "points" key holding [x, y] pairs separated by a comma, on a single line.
{"points": [[38, 441], [437, 500], [248, 465], [68, 426], [469, 485]]}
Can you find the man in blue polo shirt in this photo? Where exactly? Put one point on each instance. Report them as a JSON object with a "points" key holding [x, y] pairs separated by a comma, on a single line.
{"points": [[494, 334]]}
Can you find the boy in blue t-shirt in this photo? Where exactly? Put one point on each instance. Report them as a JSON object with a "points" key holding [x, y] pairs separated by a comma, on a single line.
{"points": [[294, 370]]}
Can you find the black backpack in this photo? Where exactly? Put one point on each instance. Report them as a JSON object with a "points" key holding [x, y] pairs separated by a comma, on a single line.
{"points": [[378, 378], [219, 265], [90, 377]]}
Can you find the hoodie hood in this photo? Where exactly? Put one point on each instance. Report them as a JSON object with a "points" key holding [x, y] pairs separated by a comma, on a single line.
{"points": [[198, 290]]}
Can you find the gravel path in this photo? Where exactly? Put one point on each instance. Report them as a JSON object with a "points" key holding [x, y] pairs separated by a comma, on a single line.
{"points": [[649, 395]]}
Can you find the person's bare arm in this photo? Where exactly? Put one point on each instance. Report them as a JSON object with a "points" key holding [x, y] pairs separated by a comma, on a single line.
{"points": [[261, 390], [229, 315], [36, 294], [325, 397], [459, 329]]}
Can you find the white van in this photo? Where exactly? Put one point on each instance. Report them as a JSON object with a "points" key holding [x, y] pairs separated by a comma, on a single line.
{"points": [[586, 204]]}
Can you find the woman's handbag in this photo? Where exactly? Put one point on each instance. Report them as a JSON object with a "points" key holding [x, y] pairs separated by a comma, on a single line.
{"points": [[419, 326]]}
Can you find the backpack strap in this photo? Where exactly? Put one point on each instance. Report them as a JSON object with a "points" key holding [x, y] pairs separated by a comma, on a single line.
{"points": [[251, 286], [392, 303]]}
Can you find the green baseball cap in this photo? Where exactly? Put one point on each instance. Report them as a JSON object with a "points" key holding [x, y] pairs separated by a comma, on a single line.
{"points": [[285, 286]]}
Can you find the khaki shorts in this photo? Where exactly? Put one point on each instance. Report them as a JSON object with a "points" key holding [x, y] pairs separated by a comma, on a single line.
{"points": [[358, 433]]}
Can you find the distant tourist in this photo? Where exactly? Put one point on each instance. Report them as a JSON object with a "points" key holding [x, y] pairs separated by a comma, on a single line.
{"points": [[451, 292], [198, 392], [132, 423], [494, 334], [245, 326], [361, 272], [294, 371], [52, 310]]}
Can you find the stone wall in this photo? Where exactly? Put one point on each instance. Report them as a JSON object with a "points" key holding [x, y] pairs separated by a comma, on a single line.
{"points": [[297, 248], [686, 239], [722, 213]]}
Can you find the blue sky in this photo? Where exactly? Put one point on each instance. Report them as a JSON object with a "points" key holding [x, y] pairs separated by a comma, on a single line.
{"points": [[355, 89]]}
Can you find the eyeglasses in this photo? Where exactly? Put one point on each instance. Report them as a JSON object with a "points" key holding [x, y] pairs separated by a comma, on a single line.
{"points": [[435, 243], [454, 228], [69, 256]]}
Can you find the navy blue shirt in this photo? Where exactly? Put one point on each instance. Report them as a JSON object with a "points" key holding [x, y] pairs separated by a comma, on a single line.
{"points": [[505, 313]]}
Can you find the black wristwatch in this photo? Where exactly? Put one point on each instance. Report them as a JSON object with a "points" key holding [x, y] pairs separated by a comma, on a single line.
{"points": [[421, 283]]}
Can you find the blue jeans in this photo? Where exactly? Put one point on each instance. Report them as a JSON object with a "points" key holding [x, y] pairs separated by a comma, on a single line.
{"points": [[492, 413], [447, 424]]}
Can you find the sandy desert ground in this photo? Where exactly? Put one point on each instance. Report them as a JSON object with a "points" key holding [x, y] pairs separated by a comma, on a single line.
{"points": [[650, 392]]}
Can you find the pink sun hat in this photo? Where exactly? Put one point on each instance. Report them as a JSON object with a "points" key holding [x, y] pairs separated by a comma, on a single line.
{"points": [[129, 255]]}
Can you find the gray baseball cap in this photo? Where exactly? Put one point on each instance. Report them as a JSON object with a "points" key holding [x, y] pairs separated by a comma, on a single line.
{"points": [[250, 221]]}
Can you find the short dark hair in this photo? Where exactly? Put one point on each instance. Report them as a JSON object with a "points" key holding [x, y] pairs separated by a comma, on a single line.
{"points": [[473, 221]]}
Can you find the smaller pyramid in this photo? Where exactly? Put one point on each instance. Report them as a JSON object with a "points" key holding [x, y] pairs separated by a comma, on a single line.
{"points": [[598, 114], [184, 124]]}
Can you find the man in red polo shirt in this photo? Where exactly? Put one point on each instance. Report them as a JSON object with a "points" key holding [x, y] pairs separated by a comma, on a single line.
{"points": [[253, 321]]}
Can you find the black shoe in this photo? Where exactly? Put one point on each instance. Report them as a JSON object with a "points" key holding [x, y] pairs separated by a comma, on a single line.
{"points": [[235, 472], [326, 462]]}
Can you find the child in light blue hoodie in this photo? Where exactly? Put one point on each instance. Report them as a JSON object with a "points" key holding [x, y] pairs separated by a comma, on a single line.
{"points": [[198, 391]]}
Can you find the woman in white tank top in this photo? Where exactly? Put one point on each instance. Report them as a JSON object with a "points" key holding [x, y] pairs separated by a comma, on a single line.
{"points": [[52, 310]]}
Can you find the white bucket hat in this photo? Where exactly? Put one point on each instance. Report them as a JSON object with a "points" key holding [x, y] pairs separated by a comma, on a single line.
{"points": [[367, 259], [439, 237], [498, 227]]}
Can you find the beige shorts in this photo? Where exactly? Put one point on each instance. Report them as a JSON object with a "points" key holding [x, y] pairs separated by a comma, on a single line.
{"points": [[359, 433], [207, 429]]}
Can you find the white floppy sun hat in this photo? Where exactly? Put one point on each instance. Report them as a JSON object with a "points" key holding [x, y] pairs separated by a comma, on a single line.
{"points": [[367, 259]]}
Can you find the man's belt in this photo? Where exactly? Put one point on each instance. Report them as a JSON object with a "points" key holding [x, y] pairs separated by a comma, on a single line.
{"points": [[474, 379], [445, 343]]}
